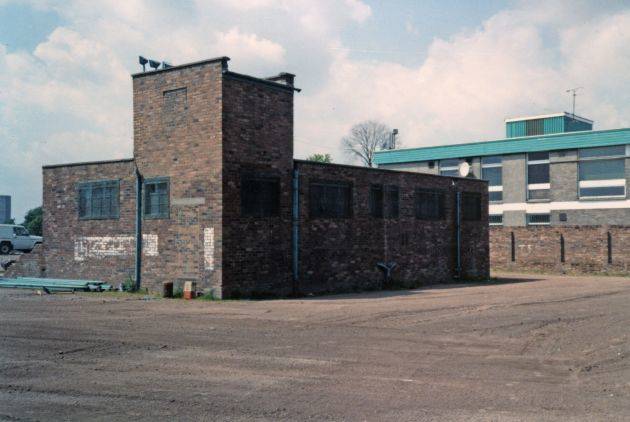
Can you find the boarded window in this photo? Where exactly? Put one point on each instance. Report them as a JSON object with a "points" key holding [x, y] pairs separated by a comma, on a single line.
{"points": [[471, 206], [330, 200], [175, 106], [376, 201], [99, 200], [260, 196], [429, 204], [392, 201], [156, 198]]}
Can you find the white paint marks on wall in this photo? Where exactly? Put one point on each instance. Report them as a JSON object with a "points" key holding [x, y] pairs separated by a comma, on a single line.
{"points": [[208, 248], [107, 246]]}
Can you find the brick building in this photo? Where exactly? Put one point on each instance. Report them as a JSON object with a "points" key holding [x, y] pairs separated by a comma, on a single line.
{"points": [[225, 204]]}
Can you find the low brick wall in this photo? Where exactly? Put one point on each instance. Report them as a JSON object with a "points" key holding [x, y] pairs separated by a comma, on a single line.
{"points": [[28, 265], [575, 249]]}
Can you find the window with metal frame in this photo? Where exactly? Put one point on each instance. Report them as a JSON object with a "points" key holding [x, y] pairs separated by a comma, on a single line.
{"points": [[260, 196], [99, 200], [471, 206], [330, 200], [538, 182], [156, 198], [392, 200], [449, 167], [376, 201], [495, 219], [492, 171], [602, 172], [538, 219], [430, 204]]}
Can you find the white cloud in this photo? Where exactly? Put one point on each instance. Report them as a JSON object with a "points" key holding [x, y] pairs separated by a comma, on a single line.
{"points": [[250, 47]]}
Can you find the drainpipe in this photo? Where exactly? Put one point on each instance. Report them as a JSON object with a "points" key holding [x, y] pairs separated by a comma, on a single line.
{"points": [[138, 229], [296, 228], [458, 225]]}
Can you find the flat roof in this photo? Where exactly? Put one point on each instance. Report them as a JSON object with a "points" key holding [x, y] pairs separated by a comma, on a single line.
{"points": [[545, 116], [552, 142], [88, 163]]}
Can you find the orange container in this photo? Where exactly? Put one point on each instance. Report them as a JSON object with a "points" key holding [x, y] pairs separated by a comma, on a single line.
{"points": [[190, 290]]}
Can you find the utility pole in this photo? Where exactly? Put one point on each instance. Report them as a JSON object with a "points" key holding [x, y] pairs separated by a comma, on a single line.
{"points": [[573, 92]]}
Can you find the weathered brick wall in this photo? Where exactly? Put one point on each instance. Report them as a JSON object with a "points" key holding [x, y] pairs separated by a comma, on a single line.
{"points": [[257, 140], [89, 249], [177, 134], [538, 248], [30, 264], [342, 254]]}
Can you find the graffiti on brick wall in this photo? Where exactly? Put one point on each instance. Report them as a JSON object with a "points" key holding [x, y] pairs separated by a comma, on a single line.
{"points": [[208, 248], [107, 246]]}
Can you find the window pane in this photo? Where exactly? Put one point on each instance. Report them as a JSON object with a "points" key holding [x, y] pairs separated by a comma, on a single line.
{"points": [[493, 175], [603, 191], [471, 206], [451, 162], [156, 199], [538, 156], [429, 204], [495, 196], [538, 173], [376, 201], [449, 172], [330, 200], [392, 202], [603, 151], [534, 127], [495, 159], [538, 194], [538, 218], [495, 219], [602, 169]]}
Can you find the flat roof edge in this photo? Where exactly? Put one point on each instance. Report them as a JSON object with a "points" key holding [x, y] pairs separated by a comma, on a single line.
{"points": [[544, 116], [88, 163], [224, 59]]}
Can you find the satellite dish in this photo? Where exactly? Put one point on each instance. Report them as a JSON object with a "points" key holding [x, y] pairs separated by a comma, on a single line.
{"points": [[464, 169]]}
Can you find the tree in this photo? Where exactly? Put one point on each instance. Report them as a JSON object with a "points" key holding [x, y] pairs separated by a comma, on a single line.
{"points": [[10, 221], [33, 221], [320, 158], [364, 139]]}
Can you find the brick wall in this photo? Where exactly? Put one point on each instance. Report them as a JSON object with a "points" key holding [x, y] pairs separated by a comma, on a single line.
{"points": [[88, 249], [178, 134], [257, 141], [342, 254], [586, 249]]}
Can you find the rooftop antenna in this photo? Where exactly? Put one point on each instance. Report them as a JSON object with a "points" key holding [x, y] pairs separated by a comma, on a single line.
{"points": [[392, 139], [143, 62], [154, 64], [573, 92]]}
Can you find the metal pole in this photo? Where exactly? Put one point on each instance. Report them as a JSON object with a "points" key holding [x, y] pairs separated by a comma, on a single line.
{"points": [[458, 196], [138, 230], [296, 229]]}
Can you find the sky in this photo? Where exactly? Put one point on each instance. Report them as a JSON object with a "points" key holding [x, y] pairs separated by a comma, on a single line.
{"points": [[441, 72]]}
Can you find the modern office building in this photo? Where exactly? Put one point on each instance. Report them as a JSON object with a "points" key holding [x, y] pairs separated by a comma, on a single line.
{"points": [[549, 170], [5, 208]]}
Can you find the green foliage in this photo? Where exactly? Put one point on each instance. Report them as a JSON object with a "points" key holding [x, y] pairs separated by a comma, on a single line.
{"points": [[129, 285], [320, 158], [178, 293], [9, 221], [33, 221]]}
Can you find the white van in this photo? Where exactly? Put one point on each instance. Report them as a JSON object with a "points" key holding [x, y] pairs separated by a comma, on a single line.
{"points": [[14, 237]]}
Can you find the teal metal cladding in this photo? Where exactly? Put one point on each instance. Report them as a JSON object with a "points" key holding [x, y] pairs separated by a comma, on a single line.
{"points": [[553, 125], [515, 129], [553, 142], [574, 125]]}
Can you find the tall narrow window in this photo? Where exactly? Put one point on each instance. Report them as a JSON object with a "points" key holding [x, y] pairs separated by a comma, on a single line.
{"points": [[376, 201], [449, 167], [471, 206], [99, 200], [429, 204], [392, 202], [602, 172], [330, 200], [538, 185], [492, 171], [156, 198], [260, 196]]}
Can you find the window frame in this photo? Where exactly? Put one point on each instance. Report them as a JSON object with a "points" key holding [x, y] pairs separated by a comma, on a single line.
{"points": [[154, 181], [493, 188], [450, 168], [500, 223], [348, 213], [530, 223], [274, 211], [532, 187], [602, 183], [440, 194], [92, 185]]}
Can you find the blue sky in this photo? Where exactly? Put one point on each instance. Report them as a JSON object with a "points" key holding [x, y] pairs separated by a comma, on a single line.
{"points": [[439, 71]]}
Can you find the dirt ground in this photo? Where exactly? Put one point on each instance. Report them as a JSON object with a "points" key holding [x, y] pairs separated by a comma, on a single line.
{"points": [[529, 348]]}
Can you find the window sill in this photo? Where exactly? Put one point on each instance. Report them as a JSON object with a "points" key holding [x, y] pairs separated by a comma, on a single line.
{"points": [[538, 200], [98, 218], [600, 198]]}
